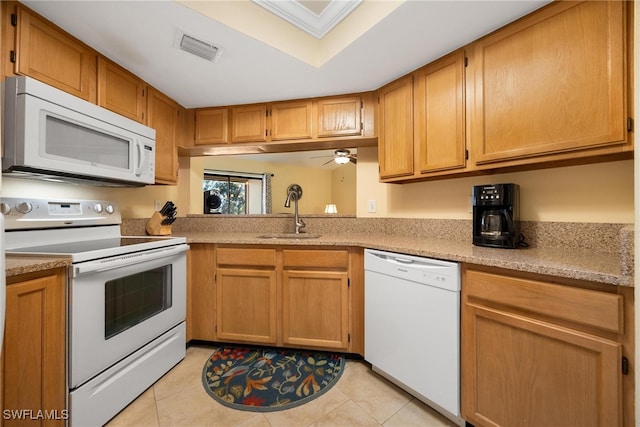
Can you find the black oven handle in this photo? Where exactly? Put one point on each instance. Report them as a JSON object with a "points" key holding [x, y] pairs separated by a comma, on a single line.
{"points": [[126, 260]]}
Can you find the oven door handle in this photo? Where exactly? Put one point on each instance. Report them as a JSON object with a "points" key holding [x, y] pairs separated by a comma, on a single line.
{"points": [[126, 260]]}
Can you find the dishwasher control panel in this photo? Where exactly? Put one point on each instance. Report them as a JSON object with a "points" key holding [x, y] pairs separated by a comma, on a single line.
{"points": [[427, 271]]}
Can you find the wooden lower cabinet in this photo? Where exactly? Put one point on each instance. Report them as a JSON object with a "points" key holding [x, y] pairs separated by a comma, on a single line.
{"points": [[34, 350], [315, 309], [246, 305], [201, 292], [279, 296], [315, 298], [540, 353]]}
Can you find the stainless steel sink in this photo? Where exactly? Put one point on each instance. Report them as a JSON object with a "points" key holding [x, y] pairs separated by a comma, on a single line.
{"points": [[289, 236]]}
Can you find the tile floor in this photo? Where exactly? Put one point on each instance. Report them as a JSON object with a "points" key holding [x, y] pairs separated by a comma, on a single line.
{"points": [[360, 398]]}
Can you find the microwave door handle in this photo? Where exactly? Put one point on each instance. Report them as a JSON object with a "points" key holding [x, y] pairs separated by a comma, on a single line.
{"points": [[139, 151]]}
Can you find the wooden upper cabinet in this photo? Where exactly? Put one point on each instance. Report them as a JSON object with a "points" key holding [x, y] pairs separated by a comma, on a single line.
{"points": [[249, 123], [48, 54], [212, 126], [552, 82], [340, 116], [290, 120], [120, 91], [163, 116], [395, 128], [439, 121]]}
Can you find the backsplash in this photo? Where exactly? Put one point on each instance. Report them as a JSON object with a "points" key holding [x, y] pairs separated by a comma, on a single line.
{"points": [[597, 237]]}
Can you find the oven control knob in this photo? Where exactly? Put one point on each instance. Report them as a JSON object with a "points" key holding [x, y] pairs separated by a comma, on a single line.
{"points": [[109, 209], [97, 208], [5, 209], [24, 207]]}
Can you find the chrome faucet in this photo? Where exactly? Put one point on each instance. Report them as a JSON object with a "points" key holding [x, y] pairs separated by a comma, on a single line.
{"points": [[295, 192]]}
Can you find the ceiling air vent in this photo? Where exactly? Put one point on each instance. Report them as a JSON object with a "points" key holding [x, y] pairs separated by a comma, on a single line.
{"points": [[197, 47]]}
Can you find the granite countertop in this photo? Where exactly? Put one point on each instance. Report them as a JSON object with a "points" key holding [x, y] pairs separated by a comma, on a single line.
{"points": [[576, 264], [16, 264]]}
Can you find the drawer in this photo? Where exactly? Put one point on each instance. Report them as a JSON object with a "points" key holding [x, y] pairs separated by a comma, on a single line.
{"points": [[601, 310], [247, 257], [296, 258]]}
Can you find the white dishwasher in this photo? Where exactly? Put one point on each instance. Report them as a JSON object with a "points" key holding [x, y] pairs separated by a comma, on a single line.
{"points": [[412, 326]]}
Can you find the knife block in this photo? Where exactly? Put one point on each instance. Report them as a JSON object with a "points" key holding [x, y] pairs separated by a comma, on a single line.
{"points": [[154, 225]]}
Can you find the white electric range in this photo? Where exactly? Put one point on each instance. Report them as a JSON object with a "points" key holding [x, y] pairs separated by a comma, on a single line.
{"points": [[126, 298]]}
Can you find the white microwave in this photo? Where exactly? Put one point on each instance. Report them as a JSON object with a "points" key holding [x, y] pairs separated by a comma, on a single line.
{"points": [[50, 134]]}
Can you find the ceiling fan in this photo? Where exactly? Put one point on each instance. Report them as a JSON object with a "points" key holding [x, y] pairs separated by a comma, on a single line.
{"points": [[341, 156]]}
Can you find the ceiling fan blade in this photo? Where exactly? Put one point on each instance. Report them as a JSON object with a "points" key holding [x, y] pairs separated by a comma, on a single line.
{"points": [[319, 157], [327, 162], [353, 160]]}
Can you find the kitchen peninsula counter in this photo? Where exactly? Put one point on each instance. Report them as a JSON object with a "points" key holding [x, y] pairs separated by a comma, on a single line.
{"points": [[580, 264]]}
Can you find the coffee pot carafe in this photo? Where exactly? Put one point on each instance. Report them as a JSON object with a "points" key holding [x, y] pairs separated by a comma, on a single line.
{"points": [[495, 215]]}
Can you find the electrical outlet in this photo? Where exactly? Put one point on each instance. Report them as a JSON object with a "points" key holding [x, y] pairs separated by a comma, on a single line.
{"points": [[372, 206], [156, 205]]}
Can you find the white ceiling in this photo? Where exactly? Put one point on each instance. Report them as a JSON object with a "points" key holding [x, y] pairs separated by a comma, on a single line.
{"points": [[361, 56]]}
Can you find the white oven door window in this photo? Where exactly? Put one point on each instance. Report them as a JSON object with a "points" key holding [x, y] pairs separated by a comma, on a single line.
{"points": [[133, 299], [117, 309]]}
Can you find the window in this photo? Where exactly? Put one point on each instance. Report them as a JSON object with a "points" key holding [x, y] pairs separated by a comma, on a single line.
{"points": [[236, 193]]}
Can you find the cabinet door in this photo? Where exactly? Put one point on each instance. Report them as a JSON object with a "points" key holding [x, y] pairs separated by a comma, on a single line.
{"points": [[163, 116], [120, 91], [246, 305], [339, 116], [524, 372], [395, 137], [315, 309], [540, 353], [439, 115], [48, 54], [553, 82], [291, 120], [249, 123], [212, 126], [33, 354], [201, 309]]}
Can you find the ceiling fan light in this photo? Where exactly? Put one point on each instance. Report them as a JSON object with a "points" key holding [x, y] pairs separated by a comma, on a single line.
{"points": [[341, 160]]}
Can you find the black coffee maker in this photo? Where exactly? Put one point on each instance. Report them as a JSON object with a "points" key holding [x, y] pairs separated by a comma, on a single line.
{"points": [[496, 220]]}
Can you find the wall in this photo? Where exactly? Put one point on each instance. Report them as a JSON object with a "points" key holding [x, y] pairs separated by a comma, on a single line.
{"points": [[344, 177], [600, 192], [134, 202], [636, 106]]}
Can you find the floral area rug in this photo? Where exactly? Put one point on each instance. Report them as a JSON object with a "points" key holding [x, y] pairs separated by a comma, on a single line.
{"points": [[266, 380]]}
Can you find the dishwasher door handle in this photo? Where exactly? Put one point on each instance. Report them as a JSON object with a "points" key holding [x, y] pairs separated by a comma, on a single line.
{"points": [[403, 260], [393, 258]]}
